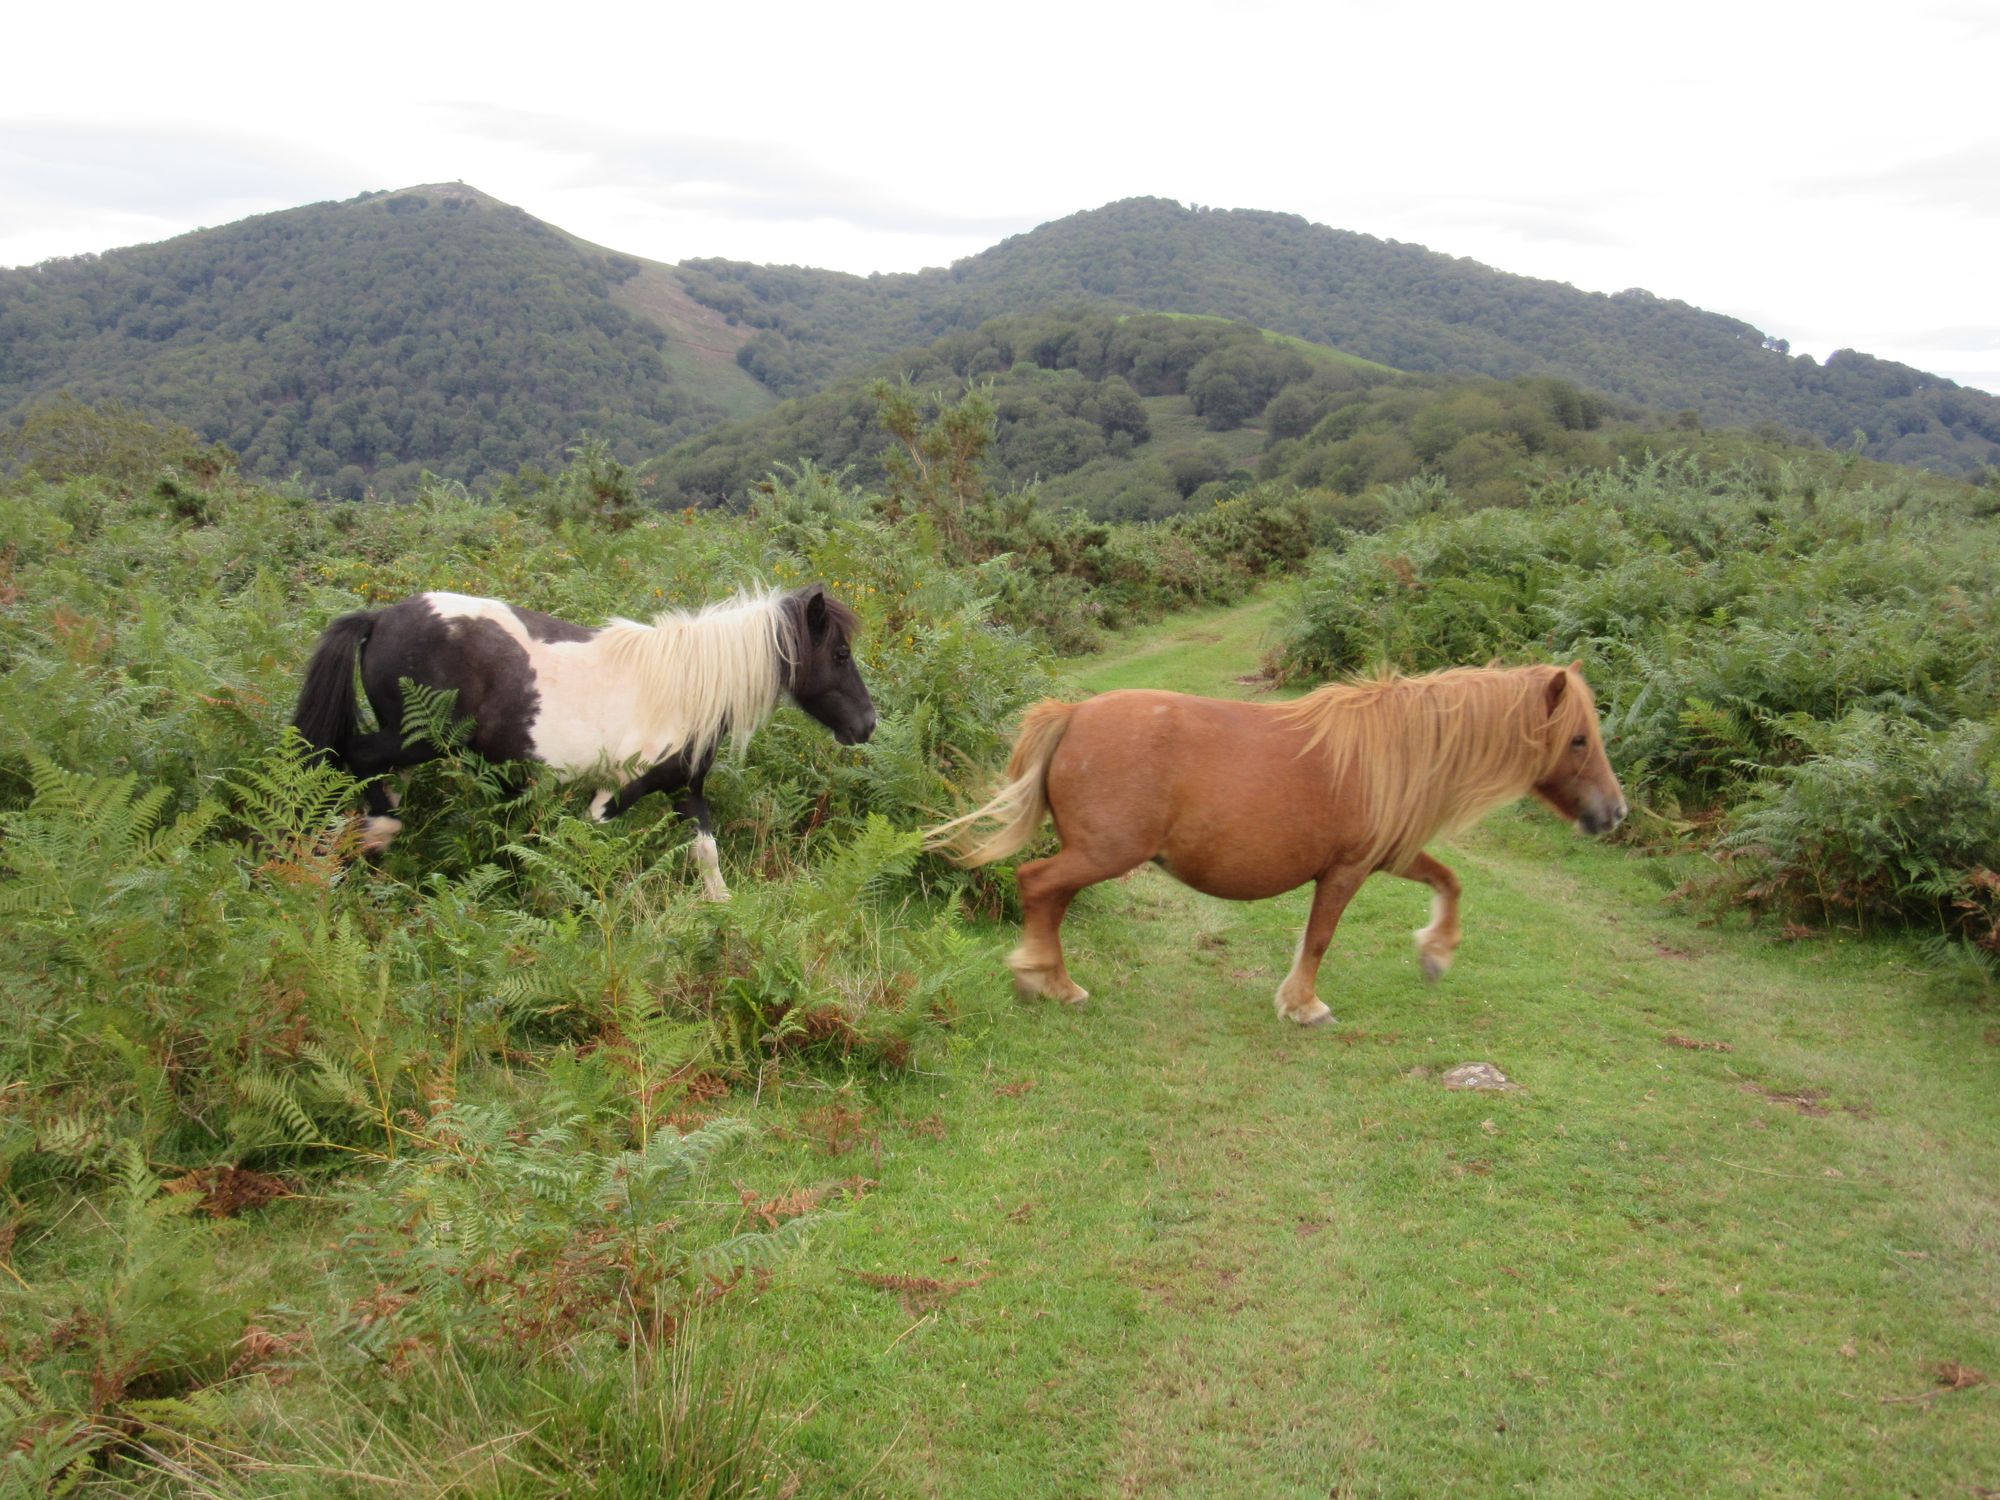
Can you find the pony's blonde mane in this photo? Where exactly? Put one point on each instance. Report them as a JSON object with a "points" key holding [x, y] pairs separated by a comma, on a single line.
{"points": [[698, 674], [1433, 754]]}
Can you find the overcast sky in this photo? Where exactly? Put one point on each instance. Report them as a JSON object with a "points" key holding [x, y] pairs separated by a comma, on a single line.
{"points": [[1830, 171]]}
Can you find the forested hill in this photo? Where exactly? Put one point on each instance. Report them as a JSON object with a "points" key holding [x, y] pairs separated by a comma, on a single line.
{"points": [[1398, 304], [359, 343]]}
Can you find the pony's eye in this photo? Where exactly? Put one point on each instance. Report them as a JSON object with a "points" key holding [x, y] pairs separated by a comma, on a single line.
{"points": [[1579, 742], [841, 653]]}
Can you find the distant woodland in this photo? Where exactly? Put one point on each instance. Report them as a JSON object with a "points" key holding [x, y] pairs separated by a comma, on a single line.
{"points": [[356, 345]]}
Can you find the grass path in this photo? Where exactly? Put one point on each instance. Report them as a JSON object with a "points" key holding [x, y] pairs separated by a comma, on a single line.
{"points": [[1164, 1245]]}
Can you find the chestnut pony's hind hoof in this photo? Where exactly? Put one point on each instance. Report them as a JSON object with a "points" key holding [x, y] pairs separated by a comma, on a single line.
{"points": [[1315, 1014], [1032, 983]]}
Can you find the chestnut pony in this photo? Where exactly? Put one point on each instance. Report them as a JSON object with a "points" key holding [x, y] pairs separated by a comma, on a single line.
{"points": [[1247, 800]]}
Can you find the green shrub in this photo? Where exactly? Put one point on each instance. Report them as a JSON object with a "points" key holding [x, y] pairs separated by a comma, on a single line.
{"points": [[1881, 823]]}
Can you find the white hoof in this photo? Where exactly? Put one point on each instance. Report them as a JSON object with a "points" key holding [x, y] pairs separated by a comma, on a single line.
{"points": [[1313, 1013], [377, 834], [597, 805]]}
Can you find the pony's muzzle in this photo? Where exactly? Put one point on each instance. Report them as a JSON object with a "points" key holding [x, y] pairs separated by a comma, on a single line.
{"points": [[1601, 817], [860, 736]]}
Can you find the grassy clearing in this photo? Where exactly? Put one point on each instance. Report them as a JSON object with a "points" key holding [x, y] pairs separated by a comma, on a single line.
{"points": [[1163, 1245]]}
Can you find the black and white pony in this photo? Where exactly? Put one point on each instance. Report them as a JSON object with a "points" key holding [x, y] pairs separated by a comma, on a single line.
{"points": [[634, 708]]}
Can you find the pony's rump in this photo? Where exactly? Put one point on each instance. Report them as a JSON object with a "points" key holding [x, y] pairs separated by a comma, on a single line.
{"points": [[327, 714], [1005, 824]]}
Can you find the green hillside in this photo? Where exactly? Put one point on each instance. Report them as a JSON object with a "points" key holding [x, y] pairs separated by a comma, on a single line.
{"points": [[1125, 416], [359, 343], [1398, 304], [1148, 415], [506, 1166]]}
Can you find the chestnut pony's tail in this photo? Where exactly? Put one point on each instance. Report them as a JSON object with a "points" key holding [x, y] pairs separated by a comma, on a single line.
{"points": [[1009, 821]]}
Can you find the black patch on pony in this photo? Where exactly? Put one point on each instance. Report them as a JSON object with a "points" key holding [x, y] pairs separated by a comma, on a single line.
{"points": [[547, 628]]}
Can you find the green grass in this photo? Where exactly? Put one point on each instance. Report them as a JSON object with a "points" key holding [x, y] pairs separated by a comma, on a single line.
{"points": [[1216, 1255], [1163, 1244]]}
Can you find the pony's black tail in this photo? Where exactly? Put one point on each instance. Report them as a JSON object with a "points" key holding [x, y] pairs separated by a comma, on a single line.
{"points": [[327, 715]]}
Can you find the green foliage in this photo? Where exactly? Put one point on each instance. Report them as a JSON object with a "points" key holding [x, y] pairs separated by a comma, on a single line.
{"points": [[495, 1230], [353, 344], [1884, 822], [116, 1353], [1085, 402], [1397, 305], [1809, 665], [62, 438]]}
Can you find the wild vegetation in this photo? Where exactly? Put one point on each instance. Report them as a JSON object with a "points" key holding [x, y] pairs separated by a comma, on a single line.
{"points": [[1395, 304], [357, 345], [486, 1169], [1795, 669]]}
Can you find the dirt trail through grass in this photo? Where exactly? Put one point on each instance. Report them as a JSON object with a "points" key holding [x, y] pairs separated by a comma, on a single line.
{"points": [[1735, 1233]]}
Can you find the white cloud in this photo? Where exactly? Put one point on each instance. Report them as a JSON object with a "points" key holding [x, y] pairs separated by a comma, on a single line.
{"points": [[1830, 167]]}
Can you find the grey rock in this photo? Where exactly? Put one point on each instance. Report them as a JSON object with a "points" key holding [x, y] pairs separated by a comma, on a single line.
{"points": [[1477, 1075]]}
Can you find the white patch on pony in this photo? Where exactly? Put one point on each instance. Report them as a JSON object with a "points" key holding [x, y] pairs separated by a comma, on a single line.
{"points": [[598, 803], [634, 694], [711, 868], [393, 792]]}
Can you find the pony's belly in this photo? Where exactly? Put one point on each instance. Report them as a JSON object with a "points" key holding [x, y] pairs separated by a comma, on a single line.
{"points": [[1243, 868]]}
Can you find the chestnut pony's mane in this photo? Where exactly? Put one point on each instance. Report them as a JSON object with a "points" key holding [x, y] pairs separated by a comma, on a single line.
{"points": [[1429, 755]]}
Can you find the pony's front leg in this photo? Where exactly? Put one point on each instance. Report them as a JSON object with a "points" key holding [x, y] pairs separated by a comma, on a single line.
{"points": [[1298, 997], [674, 777], [1437, 942], [695, 806]]}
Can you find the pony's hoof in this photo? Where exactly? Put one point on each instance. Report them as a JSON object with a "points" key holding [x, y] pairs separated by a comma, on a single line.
{"points": [[1315, 1014], [1432, 962], [377, 834], [1035, 984]]}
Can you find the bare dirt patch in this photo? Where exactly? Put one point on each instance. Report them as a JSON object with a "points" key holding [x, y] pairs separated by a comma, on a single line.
{"points": [[919, 1294], [1805, 1101], [1675, 1039]]}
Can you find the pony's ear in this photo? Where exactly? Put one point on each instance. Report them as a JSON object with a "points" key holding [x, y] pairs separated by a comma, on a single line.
{"points": [[1558, 685], [1577, 666], [815, 597]]}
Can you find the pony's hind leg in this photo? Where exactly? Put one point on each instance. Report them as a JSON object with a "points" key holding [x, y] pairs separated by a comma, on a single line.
{"points": [[370, 758], [1298, 996], [1439, 941], [1047, 887]]}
